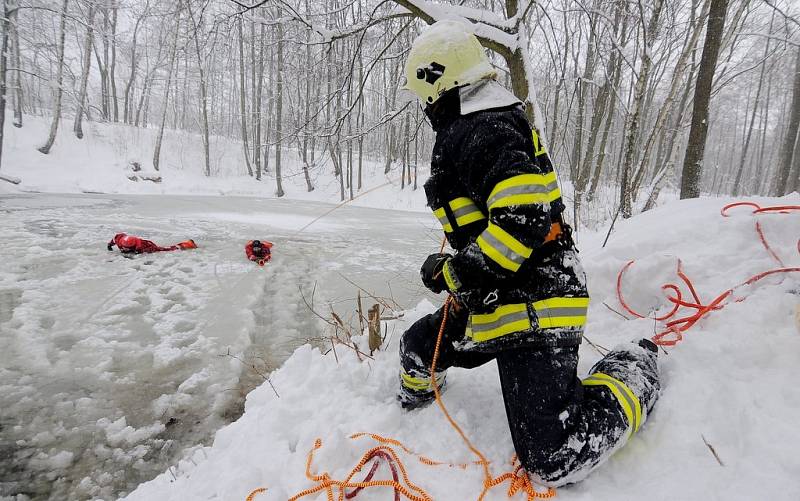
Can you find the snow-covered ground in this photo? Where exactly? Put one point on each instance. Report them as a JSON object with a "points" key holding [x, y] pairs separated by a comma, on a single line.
{"points": [[110, 367], [100, 163], [729, 383]]}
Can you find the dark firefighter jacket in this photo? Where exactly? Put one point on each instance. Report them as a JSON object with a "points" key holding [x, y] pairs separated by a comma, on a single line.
{"points": [[494, 191]]}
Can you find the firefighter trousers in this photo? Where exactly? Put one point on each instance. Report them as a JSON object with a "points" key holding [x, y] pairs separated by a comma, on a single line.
{"points": [[562, 427]]}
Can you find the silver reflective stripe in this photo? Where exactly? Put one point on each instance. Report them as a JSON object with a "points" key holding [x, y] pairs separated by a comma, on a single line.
{"points": [[502, 248], [505, 319], [621, 391], [563, 312], [443, 220], [463, 211], [525, 189]]}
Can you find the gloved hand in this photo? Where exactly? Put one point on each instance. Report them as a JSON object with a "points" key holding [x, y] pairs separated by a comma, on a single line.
{"points": [[432, 272]]}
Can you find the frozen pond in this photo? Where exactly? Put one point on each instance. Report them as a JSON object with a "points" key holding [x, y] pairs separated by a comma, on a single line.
{"points": [[111, 367]]}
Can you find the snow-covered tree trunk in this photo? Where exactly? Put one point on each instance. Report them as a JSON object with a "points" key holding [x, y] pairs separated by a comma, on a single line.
{"points": [[170, 70], [77, 127], [737, 183], [196, 28], [112, 78], [5, 24], [59, 90], [666, 107], [693, 161], [633, 124], [784, 184], [256, 85], [279, 113], [12, 16], [243, 97]]}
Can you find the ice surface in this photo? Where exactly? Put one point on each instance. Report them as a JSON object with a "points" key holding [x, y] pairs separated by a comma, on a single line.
{"points": [[110, 367]]}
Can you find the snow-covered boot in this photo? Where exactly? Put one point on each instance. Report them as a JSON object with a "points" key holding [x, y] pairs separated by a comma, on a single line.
{"points": [[634, 365], [416, 390]]}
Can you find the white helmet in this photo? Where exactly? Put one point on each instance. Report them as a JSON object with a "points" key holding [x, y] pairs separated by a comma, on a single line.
{"points": [[445, 56]]}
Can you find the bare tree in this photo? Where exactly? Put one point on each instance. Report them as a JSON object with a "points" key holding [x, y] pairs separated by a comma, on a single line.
{"points": [[59, 89], [693, 161], [625, 196], [87, 66], [279, 113], [243, 97], [3, 67], [167, 87], [12, 16], [196, 29], [784, 183]]}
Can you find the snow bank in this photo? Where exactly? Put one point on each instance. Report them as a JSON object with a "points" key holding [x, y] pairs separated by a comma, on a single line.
{"points": [[728, 384], [102, 161]]}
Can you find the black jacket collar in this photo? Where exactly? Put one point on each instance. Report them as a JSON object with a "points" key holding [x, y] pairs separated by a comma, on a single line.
{"points": [[446, 109]]}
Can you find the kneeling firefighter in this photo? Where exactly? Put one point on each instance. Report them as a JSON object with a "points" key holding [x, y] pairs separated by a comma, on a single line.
{"points": [[519, 286]]}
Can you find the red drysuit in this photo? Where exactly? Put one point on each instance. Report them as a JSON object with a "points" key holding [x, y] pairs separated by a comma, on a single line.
{"points": [[261, 253], [132, 244]]}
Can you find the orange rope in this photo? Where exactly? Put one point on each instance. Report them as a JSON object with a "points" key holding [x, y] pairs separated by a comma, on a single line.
{"points": [[518, 478], [674, 329]]}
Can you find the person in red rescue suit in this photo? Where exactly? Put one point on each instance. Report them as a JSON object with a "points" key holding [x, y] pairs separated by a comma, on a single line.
{"points": [[520, 291], [129, 244], [258, 251]]}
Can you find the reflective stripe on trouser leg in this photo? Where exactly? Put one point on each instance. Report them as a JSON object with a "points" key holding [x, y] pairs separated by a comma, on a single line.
{"points": [[421, 383], [561, 312], [626, 398]]}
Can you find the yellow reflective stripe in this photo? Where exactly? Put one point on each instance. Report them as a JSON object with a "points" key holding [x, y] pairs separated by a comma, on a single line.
{"points": [[465, 211], [561, 312], [461, 202], [502, 248], [525, 189], [505, 319], [470, 218], [538, 148], [626, 398], [450, 277], [415, 383], [441, 215]]}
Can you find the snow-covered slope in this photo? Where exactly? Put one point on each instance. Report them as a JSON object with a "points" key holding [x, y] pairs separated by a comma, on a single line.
{"points": [[100, 163], [729, 383]]}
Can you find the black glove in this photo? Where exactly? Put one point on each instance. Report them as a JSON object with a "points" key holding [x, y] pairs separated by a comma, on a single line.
{"points": [[431, 272]]}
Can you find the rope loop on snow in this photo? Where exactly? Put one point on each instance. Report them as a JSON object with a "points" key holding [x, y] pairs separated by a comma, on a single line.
{"points": [[518, 477], [674, 329]]}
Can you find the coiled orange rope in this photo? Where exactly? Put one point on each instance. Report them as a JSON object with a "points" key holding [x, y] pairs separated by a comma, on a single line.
{"points": [[518, 478], [674, 329]]}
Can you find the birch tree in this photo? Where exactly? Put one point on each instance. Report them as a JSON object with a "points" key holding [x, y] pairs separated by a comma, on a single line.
{"points": [[77, 127], [59, 81]]}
